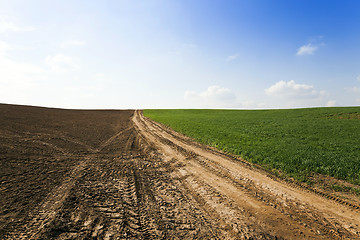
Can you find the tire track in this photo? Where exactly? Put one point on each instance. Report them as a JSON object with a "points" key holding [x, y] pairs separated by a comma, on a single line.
{"points": [[111, 139], [148, 182], [127, 192], [50, 206], [303, 215], [186, 140]]}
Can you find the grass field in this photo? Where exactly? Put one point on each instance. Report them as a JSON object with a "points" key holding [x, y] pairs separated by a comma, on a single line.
{"points": [[298, 142]]}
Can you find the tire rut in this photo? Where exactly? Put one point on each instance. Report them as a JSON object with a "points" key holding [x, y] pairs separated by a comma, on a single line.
{"points": [[302, 214], [47, 210], [144, 181], [123, 191]]}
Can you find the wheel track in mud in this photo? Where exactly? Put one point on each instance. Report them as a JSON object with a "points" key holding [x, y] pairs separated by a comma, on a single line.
{"points": [[293, 183], [47, 210], [306, 216], [126, 194], [249, 186], [241, 183], [121, 211], [138, 195], [216, 218], [140, 184]]}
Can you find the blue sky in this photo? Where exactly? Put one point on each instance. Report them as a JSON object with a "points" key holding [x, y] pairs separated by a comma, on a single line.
{"points": [[180, 54]]}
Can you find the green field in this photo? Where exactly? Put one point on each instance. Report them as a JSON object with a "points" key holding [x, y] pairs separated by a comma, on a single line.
{"points": [[298, 142]]}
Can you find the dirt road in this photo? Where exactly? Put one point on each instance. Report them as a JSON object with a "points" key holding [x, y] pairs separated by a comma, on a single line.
{"points": [[117, 175]]}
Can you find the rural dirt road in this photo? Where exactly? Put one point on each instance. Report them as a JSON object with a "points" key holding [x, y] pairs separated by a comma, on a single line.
{"points": [[69, 174]]}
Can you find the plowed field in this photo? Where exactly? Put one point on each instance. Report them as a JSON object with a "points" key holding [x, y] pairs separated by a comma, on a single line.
{"points": [[69, 174]]}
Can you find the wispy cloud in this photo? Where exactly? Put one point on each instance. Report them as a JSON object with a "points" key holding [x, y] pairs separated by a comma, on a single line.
{"points": [[354, 89], [6, 25], [331, 103], [100, 75], [4, 47], [213, 97], [184, 49], [17, 79], [61, 62], [212, 92], [232, 57], [308, 49], [252, 104], [71, 43]]}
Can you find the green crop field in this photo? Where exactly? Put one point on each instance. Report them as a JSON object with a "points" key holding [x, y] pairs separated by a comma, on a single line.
{"points": [[298, 142]]}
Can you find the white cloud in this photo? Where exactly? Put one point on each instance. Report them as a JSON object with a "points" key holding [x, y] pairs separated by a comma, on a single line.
{"points": [[71, 43], [15, 72], [7, 25], [232, 57], [18, 79], [355, 89], [331, 103], [61, 63], [213, 97], [100, 75], [291, 89], [252, 105], [4, 47], [82, 91], [308, 49], [291, 94], [184, 49], [212, 92]]}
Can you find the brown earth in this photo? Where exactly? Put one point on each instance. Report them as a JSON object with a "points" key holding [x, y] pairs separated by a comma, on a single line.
{"points": [[106, 174]]}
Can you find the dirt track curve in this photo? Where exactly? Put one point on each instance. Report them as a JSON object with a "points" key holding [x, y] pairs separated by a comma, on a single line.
{"points": [[118, 175]]}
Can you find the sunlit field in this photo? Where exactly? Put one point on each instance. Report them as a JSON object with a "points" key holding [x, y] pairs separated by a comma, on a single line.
{"points": [[298, 142]]}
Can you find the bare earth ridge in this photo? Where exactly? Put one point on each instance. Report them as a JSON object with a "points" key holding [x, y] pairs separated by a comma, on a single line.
{"points": [[69, 174]]}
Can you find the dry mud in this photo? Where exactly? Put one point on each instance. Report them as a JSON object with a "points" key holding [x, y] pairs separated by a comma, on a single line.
{"points": [[118, 175]]}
